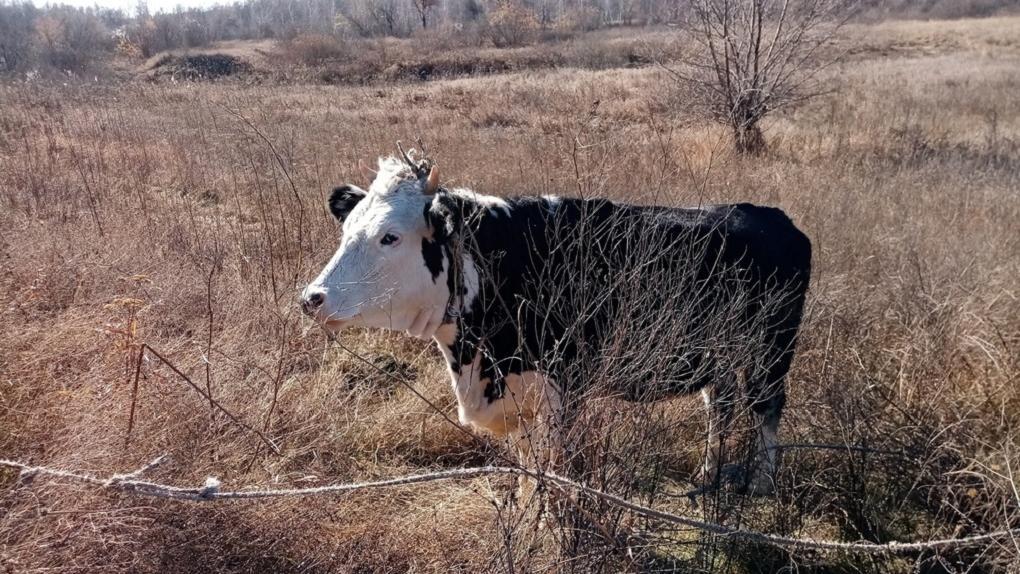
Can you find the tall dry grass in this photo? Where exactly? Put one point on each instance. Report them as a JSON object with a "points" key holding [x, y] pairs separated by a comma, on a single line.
{"points": [[155, 213]]}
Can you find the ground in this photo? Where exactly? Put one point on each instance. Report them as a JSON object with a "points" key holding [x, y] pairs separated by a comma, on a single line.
{"points": [[159, 213]]}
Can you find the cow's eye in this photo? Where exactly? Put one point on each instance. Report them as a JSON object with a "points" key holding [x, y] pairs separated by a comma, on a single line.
{"points": [[389, 239]]}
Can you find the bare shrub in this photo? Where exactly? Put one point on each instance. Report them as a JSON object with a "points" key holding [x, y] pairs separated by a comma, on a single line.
{"points": [[377, 17], [753, 57], [311, 49], [511, 23], [154, 34], [608, 286], [424, 8]]}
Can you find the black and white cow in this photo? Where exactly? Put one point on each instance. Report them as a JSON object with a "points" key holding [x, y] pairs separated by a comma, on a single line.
{"points": [[517, 291]]}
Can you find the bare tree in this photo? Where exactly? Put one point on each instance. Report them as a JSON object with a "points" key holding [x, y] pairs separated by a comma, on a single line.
{"points": [[751, 57], [70, 39], [16, 22], [511, 24], [422, 8]]}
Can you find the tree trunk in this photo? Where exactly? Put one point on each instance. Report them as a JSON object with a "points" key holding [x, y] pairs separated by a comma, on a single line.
{"points": [[749, 139]]}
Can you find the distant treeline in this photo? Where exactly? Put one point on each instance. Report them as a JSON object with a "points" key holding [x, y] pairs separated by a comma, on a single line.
{"points": [[81, 39]]}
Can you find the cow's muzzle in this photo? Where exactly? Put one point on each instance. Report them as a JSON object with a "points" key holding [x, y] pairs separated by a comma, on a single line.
{"points": [[312, 300]]}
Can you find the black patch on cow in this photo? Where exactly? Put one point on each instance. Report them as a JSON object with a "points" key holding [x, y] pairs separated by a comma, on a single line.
{"points": [[495, 389], [444, 219], [444, 215], [492, 372], [432, 253], [455, 278], [343, 199], [467, 347], [464, 348]]}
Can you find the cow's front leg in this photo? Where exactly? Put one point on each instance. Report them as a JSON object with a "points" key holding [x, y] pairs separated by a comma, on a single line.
{"points": [[524, 407], [537, 436]]}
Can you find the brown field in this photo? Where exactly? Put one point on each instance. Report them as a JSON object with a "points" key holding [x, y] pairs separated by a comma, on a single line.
{"points": [[151, 213]]}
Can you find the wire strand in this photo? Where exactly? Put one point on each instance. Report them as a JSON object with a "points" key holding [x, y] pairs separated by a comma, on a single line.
{"points": [[210, 491]]}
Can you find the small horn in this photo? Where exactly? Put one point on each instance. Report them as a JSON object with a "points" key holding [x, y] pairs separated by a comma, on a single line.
{"points": [[432, 183]]}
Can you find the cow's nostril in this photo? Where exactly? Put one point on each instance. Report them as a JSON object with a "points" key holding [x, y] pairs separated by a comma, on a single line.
{"points": [[312, 302]]}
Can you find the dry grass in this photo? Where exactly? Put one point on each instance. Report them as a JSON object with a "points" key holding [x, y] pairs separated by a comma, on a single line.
{"points": [[991, 37], [129, 212]]}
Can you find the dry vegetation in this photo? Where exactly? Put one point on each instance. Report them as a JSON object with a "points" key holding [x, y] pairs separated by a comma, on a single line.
{"points": [[152, 213]]}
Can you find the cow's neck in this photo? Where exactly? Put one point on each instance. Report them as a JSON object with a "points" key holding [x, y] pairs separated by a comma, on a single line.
{"points": [[500, 242], [491, 263]]}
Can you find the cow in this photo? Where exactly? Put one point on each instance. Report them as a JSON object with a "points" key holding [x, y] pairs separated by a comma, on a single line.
{"points": [[518, 291]]}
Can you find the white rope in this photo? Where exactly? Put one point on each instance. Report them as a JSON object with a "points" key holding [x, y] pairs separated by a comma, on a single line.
{"points": [[211, 491]]}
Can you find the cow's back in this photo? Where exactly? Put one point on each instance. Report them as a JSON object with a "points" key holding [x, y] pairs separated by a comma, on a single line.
{"points": [[763, 240], [758, 237]]}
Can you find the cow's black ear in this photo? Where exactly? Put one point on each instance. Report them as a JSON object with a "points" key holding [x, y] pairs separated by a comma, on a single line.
{"points": [[444, 216], [343, 199]]}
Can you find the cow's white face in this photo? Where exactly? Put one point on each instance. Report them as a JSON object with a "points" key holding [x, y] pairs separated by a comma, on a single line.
{"points": [[389, 272]]}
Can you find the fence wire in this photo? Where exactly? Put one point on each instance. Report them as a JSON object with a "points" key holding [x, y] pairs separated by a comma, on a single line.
{"points": [[131, 483]]}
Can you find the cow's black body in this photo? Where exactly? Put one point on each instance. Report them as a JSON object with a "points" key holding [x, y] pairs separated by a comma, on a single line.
{"points": [[581, 289]]}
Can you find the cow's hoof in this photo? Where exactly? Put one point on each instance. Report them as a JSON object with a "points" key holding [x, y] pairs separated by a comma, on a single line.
{"points": [[731, 474], [725, 476], [705, 478]]}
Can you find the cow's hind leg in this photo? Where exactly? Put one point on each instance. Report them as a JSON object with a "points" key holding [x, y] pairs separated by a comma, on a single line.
{"points": [[766, 395]]}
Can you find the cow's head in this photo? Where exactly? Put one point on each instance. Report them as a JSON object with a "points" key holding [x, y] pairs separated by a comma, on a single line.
{"points": [[390, 269]]}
